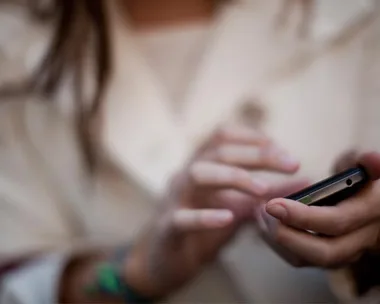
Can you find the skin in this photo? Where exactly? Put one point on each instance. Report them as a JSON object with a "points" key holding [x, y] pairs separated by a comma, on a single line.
{"points": [[147, 14], [348, 229], [204, 207], [216, 195]]}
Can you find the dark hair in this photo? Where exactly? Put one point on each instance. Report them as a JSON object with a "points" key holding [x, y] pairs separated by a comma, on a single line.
{"points": [[80, 29]]}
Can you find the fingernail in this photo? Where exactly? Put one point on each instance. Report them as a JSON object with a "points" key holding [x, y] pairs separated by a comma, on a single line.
{"points": [[277, 211], [288, 161]]}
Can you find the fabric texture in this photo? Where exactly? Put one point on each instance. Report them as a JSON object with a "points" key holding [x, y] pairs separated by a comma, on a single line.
{"points": [[49, 203], [35, 283]]}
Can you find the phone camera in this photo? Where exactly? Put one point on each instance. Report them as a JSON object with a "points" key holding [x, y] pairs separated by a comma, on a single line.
{"points": [[349, 182]]}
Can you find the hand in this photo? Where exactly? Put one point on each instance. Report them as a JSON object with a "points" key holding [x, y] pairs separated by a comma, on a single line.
{"points": [[348, 229], [208, 202]]}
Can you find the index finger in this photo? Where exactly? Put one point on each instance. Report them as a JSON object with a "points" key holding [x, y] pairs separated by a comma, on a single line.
{"points": [[371, 162], [288, 187], [241, 135], [188, 220], [337, 220]]}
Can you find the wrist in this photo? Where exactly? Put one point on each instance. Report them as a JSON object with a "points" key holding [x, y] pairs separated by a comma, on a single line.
{"points": [[79, 274], [139, 276], [108, 278]]}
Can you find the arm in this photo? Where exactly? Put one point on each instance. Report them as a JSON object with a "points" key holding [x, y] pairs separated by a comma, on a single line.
{"points": [[207, 203], [73, 279], [81, 276]]}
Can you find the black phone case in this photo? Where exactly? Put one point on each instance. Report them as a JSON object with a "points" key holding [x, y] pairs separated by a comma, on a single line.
{"points": [[337, 197]]}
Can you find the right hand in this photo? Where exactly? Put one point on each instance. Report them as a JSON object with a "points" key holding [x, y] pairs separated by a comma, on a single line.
{"points": [[343, 232]]}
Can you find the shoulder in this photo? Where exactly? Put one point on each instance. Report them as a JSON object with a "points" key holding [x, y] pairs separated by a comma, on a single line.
{"points": [[37, 143], [41, 182], [29, 118], [22, 41]]}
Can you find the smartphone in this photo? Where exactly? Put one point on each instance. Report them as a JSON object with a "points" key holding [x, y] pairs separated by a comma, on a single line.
{"points": [[331, 191]]}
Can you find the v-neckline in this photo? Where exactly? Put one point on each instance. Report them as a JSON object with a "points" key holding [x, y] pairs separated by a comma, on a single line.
{"points": [[176, 93], [175, 57]]}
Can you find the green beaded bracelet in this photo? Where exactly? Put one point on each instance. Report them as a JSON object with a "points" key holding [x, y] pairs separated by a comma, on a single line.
{"points": [[110, 282]]}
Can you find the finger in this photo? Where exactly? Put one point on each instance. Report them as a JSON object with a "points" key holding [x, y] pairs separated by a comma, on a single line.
{"points": [[254, 157], [241, 135], [288, 187], [266, 225], [233, 135], [325, 252], [371, 161], [347, 160], [208, 174], [240, 203], [343, 218], [187, 220]]}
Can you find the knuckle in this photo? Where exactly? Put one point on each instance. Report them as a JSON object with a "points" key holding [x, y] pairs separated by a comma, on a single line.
{"points": [[271, 156], [259, 134], [349, 220], [222, 154], [222, 134], [195, 172], [280, 237], [267, 147], [300, 220], [374, 195], [268, 141], [326, 257], [299, 216], [297, 263], [177, 181], [340, 227], [240, 176]]}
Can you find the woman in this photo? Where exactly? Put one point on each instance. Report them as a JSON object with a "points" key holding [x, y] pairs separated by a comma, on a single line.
{"points": [[68, 214], [204, 72]]}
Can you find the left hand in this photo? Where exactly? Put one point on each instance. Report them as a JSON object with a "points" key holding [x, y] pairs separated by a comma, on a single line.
{"points": [[344, 232], [221, 173], [207, 202]]}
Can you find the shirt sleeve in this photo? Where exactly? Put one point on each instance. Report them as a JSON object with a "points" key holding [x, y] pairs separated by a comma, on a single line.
{"points": [[35, 283]]}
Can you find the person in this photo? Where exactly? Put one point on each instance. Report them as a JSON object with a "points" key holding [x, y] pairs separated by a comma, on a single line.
{"points": [[74, 227], [347, 235], [188, 78], [223, 62]]}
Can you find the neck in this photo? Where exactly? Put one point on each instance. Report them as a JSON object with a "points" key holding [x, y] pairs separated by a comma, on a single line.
{"points": [[156, 13]]}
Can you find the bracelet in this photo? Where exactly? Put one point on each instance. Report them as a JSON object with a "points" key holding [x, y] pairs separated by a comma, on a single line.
{"points": [[110, 281]]}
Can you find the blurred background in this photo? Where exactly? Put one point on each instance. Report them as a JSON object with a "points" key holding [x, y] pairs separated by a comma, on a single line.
{"points": [[306, 72]]}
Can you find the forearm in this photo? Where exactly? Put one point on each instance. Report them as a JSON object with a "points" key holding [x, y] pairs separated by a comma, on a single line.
{"points": [[74, 278], [79, 276], [85, 277]]}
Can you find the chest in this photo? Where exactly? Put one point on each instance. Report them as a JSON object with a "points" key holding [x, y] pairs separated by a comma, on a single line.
{"points": [[184, 83], [118, 212]]}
